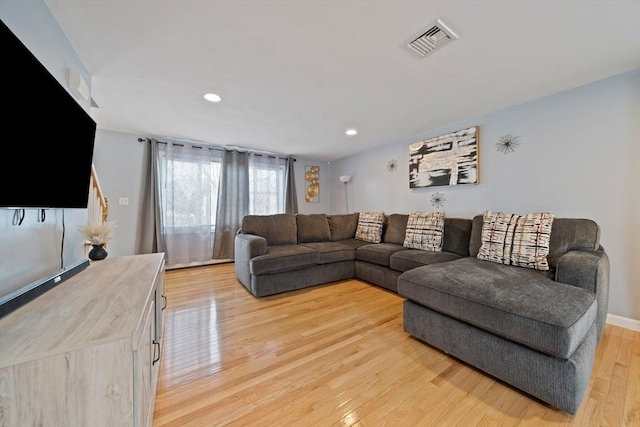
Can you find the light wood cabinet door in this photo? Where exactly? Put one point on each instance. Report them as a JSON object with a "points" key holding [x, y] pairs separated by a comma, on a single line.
{"points": [[161, 304], [143, 360]]}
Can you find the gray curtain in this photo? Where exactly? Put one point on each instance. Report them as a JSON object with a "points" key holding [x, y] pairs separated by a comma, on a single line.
{"points": [[149, 238], [290, 197], [233, 202]]}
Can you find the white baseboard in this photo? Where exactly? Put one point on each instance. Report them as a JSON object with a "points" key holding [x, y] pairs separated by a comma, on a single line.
{"points": [[623, 322]]}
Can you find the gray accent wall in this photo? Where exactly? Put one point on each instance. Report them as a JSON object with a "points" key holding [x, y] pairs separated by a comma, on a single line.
{"points": [[34, 250], [579, 157]]}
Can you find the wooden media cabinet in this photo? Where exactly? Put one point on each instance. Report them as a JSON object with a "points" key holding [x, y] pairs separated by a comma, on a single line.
{"points": [[87, 352]]}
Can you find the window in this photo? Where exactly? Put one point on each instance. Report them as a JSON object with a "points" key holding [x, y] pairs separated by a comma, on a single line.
{"points": [[189, 178], [267, 177], [189, 181]]}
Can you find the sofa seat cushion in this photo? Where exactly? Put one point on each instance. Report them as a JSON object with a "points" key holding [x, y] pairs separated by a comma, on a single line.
{"points": [[329, 252], [378, 253], [413, 258], [353, 243], [280, 259], [517, 303]]}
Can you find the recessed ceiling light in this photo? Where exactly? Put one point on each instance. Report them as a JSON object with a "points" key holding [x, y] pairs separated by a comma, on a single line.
{"points": [[351, 132], [212, 97]]}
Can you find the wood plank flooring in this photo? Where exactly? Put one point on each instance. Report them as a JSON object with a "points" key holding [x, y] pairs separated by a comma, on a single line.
{"points": [[336, 355]]}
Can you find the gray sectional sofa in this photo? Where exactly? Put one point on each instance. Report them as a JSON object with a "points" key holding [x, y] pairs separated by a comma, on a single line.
{"points": [[536, 330]]}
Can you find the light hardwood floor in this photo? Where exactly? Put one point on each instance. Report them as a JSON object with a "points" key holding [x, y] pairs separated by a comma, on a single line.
{"points": [[336, 355]]}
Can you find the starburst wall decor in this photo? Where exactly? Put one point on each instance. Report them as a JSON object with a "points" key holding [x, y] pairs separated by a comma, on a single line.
{"points": [[392, 166], [437, 200], [508, 143]]}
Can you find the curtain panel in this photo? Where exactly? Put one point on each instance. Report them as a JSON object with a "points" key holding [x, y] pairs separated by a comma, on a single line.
{"points": [[189, 180], [291, 197], [149, 237], [233, 202]]}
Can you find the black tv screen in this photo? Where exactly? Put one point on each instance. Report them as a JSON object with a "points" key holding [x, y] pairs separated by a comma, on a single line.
{"points": [[48, 137]]}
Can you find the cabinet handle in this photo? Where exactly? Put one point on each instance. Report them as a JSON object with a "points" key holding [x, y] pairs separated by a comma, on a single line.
{"points": [[156, 344], [164, 297]]}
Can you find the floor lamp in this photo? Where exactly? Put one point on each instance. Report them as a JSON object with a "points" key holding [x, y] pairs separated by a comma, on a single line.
{"points": [[345, 179]]}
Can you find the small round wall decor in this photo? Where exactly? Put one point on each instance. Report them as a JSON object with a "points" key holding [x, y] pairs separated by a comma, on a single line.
{"points": [[507, 143], [437, 200], [392, 166]]}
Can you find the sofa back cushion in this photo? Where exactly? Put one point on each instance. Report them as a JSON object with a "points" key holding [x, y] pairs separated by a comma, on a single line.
{"points": [[278, 229], [572, 234], [395, 228], [567, 234], [457, 233], [343, 227], [313, 228]]}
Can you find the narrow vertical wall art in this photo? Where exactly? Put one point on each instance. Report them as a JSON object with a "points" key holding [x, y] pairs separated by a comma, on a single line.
{"points": [[312, 179]]}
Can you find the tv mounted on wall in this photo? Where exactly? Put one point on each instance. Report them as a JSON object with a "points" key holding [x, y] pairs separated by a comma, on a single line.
{"points": [[48, 138]]}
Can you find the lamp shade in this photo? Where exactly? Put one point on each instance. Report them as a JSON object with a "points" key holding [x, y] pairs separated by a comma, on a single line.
{"points": [[345, 178]]}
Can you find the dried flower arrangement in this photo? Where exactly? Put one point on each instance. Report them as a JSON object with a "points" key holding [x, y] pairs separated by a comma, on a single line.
{"points": [[98, 233]]}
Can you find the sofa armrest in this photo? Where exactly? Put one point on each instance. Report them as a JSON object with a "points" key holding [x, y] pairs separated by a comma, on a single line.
{"points": [[588, 270], [247, 246]]}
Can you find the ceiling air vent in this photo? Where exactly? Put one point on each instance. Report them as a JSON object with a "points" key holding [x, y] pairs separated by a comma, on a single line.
{"points": [[430, 39]]}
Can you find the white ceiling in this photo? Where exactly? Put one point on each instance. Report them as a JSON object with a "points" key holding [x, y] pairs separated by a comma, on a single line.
{"points": [[294, 75]]}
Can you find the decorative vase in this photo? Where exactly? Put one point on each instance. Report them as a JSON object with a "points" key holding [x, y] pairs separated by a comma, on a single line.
{"points": [[97, 253]]}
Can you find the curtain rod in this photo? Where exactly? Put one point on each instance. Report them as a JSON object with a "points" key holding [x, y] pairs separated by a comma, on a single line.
{"points": [[218, 149]]}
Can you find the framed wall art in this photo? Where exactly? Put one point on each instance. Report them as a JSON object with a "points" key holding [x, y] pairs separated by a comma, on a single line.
{"points": [[312, 178], [450, 159]]}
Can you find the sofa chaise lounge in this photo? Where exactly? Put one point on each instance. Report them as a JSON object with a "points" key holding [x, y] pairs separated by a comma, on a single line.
{"points": [[536, 330]]}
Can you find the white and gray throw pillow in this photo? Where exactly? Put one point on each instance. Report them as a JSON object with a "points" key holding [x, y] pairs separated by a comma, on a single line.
{"points": [[512, 239], [370, 226], [425, 231]]}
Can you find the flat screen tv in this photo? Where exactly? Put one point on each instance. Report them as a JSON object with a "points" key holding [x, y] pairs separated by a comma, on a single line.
{"points": [[48, 138]]}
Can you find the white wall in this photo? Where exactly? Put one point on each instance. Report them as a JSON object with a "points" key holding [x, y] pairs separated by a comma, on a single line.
{"points": [[118, 159], [34, 250], [579, 157]]}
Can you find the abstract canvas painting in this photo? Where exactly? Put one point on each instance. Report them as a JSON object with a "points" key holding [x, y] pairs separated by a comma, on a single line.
{"points": [[450, 159]]}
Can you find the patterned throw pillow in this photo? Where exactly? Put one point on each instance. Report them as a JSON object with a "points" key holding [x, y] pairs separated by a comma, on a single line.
{"points": [[370, 226], [425, 230], [521, 240]]}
